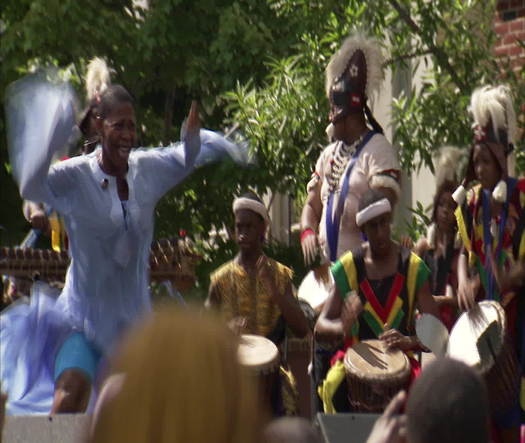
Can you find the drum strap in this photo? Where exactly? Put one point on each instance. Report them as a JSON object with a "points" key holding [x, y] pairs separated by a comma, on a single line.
{"points": [[490, 257], [333, 217], [464, 222], [440, 267], [518, 242], [278, 333]]}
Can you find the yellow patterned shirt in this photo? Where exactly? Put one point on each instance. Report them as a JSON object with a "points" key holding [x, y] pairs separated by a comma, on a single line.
{"points": [[242, 295]]}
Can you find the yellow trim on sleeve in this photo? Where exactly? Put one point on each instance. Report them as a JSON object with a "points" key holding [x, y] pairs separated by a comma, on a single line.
{"points": [[462, 229], [351, 273], [413, 267]]}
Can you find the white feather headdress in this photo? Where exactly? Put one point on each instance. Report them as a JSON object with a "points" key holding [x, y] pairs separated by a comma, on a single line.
{"points": [[446, 164], [494, 104], [98, 77], [374, 62]]}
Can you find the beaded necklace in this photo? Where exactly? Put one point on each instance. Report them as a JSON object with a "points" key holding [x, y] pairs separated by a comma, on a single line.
{"points": [[339, 161]]}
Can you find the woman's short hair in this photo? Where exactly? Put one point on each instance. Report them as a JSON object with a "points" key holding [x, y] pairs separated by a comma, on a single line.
{"points": [[112, 96]]}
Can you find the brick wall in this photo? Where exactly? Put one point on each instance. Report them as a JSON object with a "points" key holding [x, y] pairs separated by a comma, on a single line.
{"points": [[510, 27]]}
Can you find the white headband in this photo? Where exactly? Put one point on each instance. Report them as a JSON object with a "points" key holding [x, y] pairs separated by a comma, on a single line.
{"points": [[377, 208], [252, 205]]}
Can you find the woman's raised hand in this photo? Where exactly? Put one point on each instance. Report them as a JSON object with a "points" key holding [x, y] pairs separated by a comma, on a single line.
{"points": [[194, 122]]}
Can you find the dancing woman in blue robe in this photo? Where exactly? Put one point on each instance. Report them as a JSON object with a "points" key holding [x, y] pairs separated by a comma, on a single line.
{"points": [[51, 349]]}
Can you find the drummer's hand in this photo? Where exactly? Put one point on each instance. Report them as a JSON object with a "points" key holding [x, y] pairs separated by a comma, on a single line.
{"points": [[352, 307], [238, 325], [467, 291], [391, 426], [310, 246], [394, 339], [193, 124]]}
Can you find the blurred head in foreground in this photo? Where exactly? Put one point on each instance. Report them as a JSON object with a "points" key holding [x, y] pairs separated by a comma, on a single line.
{"points": [[182, 383], [448, 403]]}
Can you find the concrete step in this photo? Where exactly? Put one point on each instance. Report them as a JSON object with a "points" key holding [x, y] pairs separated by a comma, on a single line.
{"points": [[64, 428]]}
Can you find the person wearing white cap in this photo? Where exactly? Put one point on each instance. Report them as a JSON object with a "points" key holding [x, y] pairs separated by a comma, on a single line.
{"points": [[253, 292], [377, 289]]}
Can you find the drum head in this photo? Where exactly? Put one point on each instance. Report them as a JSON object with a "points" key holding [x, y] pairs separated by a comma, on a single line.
{"points": [[478, 335], [371, 360], [257, 353], [315, 290], [433, 334]]}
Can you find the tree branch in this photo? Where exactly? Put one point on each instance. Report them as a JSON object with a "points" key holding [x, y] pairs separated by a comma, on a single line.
{"points": [[440, 55], [393, 60]]}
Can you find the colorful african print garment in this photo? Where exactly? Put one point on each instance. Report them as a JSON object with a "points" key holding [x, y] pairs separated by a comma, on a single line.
{"points": [[498, 241], [247, 296], [389, 301]]}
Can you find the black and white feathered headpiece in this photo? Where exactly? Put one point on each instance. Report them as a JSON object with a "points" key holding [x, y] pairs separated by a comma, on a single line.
{"points": [[354, 73], [494, 127]]}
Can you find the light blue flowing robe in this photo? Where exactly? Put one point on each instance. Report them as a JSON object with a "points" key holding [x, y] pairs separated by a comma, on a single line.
{"points": [[106, 287]]}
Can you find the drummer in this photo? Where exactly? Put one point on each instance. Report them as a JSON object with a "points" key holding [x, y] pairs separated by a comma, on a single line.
{"points": [[254, 292], [491, 221], [377, 289], [441, 246]]}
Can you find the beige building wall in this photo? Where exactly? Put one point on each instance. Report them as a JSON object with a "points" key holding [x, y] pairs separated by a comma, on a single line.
{"points": [[419, 185]]}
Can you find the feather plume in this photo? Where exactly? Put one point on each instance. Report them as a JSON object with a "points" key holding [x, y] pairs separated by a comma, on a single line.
{"points": [[374, 62], [500, 192], [494, 104], [98, 77], [446, 164], [459, 195]]}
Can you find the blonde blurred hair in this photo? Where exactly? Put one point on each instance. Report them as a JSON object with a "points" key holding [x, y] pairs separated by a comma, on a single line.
{"points": [[183, 383]]}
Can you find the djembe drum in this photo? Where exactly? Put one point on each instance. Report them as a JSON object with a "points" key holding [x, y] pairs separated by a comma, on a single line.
{"points": [[260, 357], [315, 288], [479, 339], [374, 374]]}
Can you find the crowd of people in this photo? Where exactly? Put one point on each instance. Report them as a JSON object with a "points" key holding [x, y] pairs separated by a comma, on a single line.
{"points": [[176, 375]]}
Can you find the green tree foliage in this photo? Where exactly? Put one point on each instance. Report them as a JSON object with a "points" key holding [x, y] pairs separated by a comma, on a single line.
{"points": [[165, 54], [452, 41], [258, 67]]}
